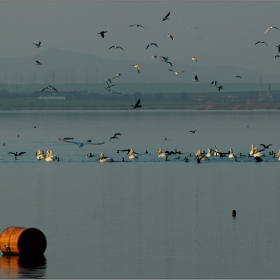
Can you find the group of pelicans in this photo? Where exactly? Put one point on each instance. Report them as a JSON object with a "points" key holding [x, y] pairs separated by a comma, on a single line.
{"points": [[200, 155], [48, 156]]}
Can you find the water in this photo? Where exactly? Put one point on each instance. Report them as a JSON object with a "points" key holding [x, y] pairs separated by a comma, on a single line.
{"points": [[148, 218]]}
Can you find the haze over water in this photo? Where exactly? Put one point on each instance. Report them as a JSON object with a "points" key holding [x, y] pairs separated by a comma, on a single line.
{"points": [[148, 218]]}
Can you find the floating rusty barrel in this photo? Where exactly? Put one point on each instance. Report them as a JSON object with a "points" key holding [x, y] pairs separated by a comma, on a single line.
{"points": [[22, 241]]}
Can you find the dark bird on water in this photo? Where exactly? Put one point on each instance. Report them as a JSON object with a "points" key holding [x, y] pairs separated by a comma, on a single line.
{"points": [[233, 213], [258, 159], [16, 154], [137, 105], [192, 131]]}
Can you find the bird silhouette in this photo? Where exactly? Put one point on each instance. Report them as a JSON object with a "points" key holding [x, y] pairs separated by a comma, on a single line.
{"points": [[166, 17], [16, 154], [137, 105], [102, 33]]}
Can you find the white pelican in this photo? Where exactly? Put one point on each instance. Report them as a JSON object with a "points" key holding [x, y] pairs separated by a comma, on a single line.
{"points": [[231, 154], [131, 154], [209, 152], [194, 58], [102, 158], [252, 150], [116, 47], [257, 153], [271, 27], [170, 36], [278, 155], [161, 154], [137, 67], [102, 33], [216, 151], [81, 144], [166, 17], [51, 157], [40, 154], [38, 45]]}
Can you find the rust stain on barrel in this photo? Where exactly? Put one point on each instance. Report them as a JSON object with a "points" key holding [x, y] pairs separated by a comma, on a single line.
{"points": [[22, 241]]}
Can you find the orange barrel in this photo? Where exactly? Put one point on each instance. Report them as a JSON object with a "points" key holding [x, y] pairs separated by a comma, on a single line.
{"points": [[22, 241]]}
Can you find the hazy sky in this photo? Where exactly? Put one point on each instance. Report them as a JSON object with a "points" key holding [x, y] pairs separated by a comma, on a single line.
{"points": [[226, 35]]}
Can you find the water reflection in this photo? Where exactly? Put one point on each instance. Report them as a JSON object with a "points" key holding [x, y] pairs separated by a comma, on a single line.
{"points": [[22, 267]]}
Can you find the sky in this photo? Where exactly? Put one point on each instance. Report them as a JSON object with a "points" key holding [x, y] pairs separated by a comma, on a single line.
{"points": [[226, 30]]}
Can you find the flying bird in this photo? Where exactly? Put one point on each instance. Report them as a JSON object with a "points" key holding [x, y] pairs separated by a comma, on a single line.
{"points": [[154, 56], [137, 67], [193, 131], [137, 105], [113, 92], [278, 48], [166, 17], [16, 154], [102, 33], [193, 28], [137, 25], [109, 83], [81, 144], [276, 55], [266, 146], [116, 47], [38, 45], [194, 58], [271, 27], [152, 44], [262, 42], [219, 88], [117, 76], [50, 88], [214, 82], [170, 36], [176, 72], [38, 62], [115, 136], [196, 79], [237, 76]]}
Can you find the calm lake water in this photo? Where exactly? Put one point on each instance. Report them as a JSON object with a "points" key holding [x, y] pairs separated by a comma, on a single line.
{"points": [[147, 218]]}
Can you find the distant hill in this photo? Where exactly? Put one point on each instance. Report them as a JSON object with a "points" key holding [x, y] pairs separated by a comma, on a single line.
{"points": [[66, 67]]}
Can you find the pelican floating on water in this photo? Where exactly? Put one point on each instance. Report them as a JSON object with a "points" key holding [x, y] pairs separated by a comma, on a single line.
{"points": [[40, 154], [102, 158], [161, 154], [51, 157]]}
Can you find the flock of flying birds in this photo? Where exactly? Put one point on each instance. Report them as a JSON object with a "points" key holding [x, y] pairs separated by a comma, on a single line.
{"points": [[109, 83]]}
